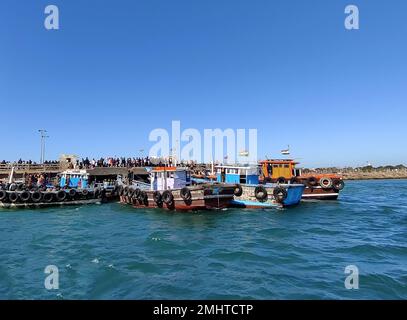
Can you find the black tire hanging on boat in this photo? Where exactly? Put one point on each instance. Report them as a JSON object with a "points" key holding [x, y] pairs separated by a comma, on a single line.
{"points": [[13, 187], [72, 193], [21, 187], [325, 182], [294, 180], [338, 184], [139, 195], [238, 191], [61, 195], [186, 194], [157, 197], [48, 196], [3, 195], [168, 197], [260, 193], [280, 194], [281, 180], [85, 193], [312, 181], [25, 196], [143, 197], [36, 196], [13, 197], [130, 192]]}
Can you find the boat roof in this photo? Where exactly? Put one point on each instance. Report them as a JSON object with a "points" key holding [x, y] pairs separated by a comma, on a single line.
{"points": [[279, 161], [173, 169], [75, 171], [237, 166]]}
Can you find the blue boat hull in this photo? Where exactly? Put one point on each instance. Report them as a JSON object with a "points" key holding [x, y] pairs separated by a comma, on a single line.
{"points": [[247, 200]]}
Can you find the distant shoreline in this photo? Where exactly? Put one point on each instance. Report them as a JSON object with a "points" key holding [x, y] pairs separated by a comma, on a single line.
{"points": [[373, 178]]}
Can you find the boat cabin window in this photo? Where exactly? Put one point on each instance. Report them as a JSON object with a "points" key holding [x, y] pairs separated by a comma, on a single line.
{"points": [[286, 166]]}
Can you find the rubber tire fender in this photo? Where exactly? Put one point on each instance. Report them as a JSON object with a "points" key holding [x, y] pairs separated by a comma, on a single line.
{"points": [[280, 194], [168, 197], [260, 193], [238, 191]]}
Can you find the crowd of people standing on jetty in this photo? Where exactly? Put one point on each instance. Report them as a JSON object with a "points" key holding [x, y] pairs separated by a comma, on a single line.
{"points": [[114, 162], [109, 162], [26, 162], [123, 162]]}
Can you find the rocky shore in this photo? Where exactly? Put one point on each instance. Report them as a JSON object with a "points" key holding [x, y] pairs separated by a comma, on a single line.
{"points": [[366, 173]]}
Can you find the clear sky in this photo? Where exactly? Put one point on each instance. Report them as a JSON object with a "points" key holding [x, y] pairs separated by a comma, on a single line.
{"points": [[115, 70]]}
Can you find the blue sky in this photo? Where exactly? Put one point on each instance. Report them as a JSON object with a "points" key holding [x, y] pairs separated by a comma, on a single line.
{"points": [[115, 70]]}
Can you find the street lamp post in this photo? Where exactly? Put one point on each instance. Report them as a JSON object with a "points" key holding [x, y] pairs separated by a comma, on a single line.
{"points": [[43, 137]]}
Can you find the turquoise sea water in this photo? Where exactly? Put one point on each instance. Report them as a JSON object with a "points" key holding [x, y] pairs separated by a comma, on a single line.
{"points": [[115, 252]]}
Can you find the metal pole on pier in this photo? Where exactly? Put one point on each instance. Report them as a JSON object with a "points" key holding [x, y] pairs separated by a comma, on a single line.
{"points": [[43, 149], [43, 136]]}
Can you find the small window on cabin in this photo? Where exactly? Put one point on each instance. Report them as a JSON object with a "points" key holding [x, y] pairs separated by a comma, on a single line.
{"points": [[275, 165], [171, 175], [286, 166]]}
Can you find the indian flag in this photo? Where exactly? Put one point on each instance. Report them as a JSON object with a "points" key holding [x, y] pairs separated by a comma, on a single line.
{"points": [[286, 151]]}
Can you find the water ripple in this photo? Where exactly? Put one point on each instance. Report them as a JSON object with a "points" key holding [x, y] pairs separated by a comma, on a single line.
{"points": [[115, 252]]}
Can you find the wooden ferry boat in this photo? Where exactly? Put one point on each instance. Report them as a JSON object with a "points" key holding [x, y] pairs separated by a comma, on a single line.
{"points": [[73, 189], [170, 188], [318, 186], [249, 193], [82, 179]]}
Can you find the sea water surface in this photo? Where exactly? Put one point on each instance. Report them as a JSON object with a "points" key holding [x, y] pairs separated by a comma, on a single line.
{"points": [[112, 251]]}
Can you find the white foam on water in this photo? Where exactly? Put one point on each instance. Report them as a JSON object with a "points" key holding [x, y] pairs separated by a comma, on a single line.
{"points": [[96, 260]]}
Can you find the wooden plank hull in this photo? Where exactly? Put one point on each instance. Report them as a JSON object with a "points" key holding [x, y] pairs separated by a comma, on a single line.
{"points": [[201, 199], [318, 193]]}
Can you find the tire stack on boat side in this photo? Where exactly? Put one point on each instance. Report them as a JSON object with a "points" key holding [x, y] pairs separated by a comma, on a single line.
{"points": [[20, 193]]}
